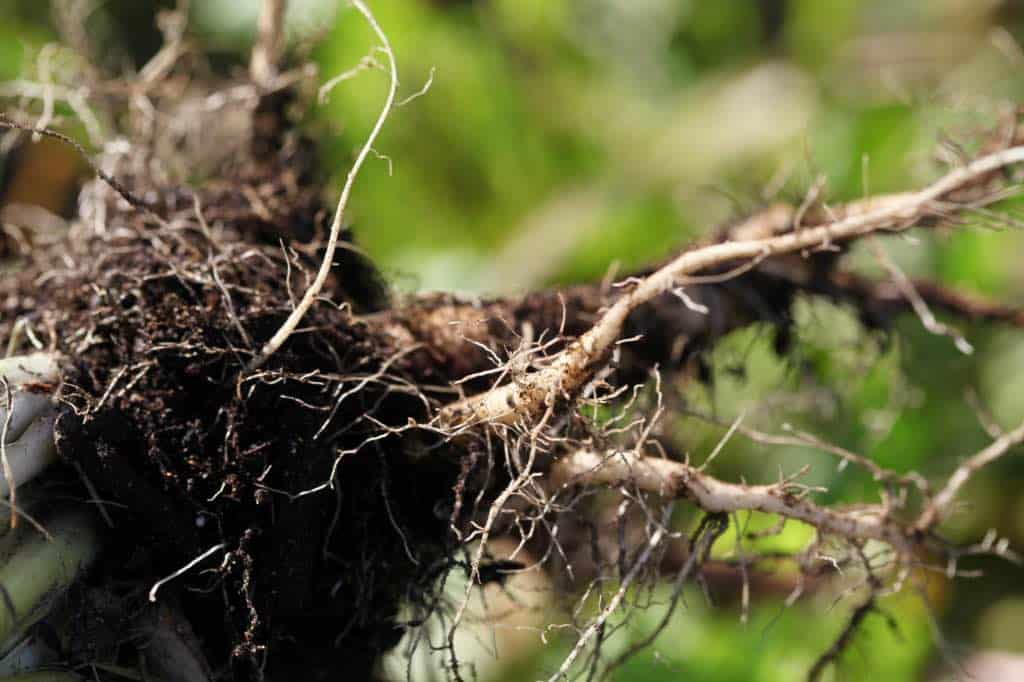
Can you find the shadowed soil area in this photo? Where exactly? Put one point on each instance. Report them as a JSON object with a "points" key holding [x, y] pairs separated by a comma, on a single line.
{"points": [[326, 525]]}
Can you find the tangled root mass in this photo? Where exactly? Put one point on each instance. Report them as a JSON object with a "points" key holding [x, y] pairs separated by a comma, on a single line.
{"points": [[294, 469]]}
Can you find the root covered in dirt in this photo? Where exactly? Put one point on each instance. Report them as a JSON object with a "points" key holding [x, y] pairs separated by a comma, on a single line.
{"points": [[276, 515], [298, 472]]}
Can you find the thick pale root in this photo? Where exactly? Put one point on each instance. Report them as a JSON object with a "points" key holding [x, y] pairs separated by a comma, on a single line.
{"points": [[27, 417], [36, 368], [41, 569], [30, 454], [25, 408]]}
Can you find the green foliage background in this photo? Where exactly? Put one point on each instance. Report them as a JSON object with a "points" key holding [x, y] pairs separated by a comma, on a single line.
{"points": [[560, 136]]}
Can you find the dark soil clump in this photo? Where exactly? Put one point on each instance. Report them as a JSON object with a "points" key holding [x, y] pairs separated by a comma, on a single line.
{"points": [[326, 526]]}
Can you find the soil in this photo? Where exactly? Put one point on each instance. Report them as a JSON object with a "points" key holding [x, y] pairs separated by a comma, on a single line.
{"points": [[156, 313]]}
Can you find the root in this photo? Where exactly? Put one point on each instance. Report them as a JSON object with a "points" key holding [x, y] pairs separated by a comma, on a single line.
{"points": [[38, 368], [677, 480], [266, 52], [314, 289], [339, 460], [30, 455], [26, 422], [43, 568], [571, 369]]}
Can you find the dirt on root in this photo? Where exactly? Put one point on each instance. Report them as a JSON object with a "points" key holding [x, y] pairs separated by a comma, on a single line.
{"points": [[296, 470], [301, 483]]}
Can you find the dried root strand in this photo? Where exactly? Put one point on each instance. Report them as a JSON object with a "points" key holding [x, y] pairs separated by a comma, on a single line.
{"points": [[842, 642], [883, 298], [266, 52], [317, 285], [940, 505], [671, 479], [572, 368]]}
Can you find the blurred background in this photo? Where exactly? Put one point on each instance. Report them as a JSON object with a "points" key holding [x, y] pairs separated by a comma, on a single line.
{"points": [[560, 138]]}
